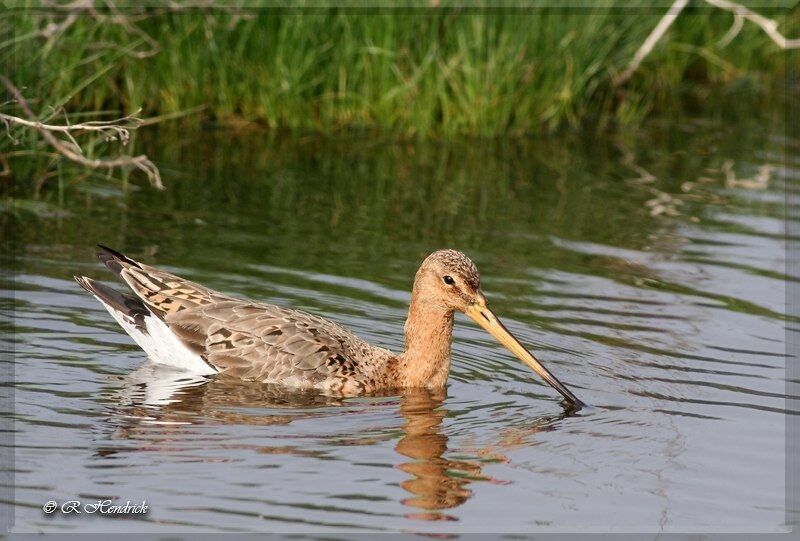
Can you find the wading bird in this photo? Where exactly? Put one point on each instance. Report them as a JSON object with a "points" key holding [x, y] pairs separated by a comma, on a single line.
{"points": [[186, 325]]}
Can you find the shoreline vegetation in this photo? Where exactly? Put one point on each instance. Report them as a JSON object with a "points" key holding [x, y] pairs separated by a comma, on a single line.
{"points": [[95, 72]]}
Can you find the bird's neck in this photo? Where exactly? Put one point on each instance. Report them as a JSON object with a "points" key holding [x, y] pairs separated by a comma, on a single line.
{"points": [[429, 332]]}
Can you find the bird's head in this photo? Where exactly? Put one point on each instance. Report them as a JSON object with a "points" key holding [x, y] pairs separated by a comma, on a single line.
{"points": [[449, 281]]}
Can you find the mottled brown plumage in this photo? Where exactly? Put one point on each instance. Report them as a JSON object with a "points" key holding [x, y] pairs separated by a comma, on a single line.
{"points": [[262, 342]]}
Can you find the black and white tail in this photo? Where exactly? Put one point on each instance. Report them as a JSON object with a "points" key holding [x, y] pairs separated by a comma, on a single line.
{"points": [[142, 320]]}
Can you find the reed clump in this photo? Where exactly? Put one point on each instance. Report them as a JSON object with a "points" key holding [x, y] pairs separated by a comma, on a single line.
{"points": [[411, 72]]}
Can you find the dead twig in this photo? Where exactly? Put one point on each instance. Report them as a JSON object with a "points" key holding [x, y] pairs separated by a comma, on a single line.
{"points": [[53, 30], [111, 130], [769, 26], [733, 31], [651, 41], [107, 12], [71, 150], [740, 14]]}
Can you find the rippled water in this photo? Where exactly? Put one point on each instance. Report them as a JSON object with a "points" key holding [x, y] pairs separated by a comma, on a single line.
{"points": [[646, 270]]}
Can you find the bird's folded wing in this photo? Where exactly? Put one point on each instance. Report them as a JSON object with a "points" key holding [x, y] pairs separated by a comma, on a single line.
{"points": [[263, 342], [167, 293]]}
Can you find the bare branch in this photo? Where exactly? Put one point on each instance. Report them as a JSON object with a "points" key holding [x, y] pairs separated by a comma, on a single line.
{"points": [[740, 13], [736, 27], [769, 26], [111, 130], [117, 18], [107, 12], [53, 30], [141, 162], [651, 41]]}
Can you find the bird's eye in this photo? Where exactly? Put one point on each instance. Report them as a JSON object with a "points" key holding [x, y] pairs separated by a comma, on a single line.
{"points": [[448, 280]]}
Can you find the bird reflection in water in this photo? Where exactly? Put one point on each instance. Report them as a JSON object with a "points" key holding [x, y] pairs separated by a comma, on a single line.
{"points": [[438, 482], [153, 407]]}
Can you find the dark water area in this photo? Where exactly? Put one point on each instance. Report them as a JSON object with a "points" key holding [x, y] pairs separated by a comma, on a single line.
{"points": [[646, 269]]}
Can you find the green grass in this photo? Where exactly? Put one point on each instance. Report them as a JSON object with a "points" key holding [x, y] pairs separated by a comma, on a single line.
{"points": [[411, 72]]}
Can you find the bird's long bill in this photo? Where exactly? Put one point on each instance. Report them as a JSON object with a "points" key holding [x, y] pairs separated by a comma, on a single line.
{"points": [[486, 319]]}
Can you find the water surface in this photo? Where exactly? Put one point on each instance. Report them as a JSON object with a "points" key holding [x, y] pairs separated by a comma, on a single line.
{"points": [[646, 270]]}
